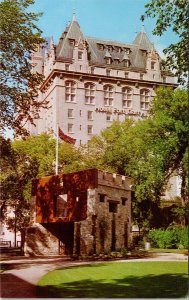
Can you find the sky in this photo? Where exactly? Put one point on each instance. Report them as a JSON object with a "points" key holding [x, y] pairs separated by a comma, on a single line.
{"points": [[117, 20]]}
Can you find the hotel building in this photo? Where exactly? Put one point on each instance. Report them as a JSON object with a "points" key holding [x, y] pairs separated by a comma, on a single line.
{"points": [[90, 82]]}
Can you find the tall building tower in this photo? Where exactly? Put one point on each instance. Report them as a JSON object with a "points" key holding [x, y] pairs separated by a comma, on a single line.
{"points": [[90, 82]]}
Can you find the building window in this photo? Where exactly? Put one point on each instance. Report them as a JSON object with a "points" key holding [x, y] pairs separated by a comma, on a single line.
{"points": [[92, 70], [126, 75], [70, 113], [109, 117], [90, 129], [102, 197], [153, 65], [144, 99], [108, 60], [127, 97], [70, 91], [80, 54], [80, 127], [70, 128], [126, 63], [164, 79], [108, 95], [123, 201], [112, 207], [90, 115], [89, 93], [108, 72], [141, 76], [80, 113], [100, 47], [72, 42], [67, 66]]}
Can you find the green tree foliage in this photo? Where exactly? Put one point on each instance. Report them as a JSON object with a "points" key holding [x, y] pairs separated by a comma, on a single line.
{"points": [[173, 14], [149, 150], [19, 36]]}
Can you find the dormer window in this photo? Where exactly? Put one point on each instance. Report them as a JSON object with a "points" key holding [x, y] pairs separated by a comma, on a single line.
{"points": [[80, 55], [127, 50], [126, 63], [116, 60], [108, 60], [110, 48], [72, 42], [100, 47], [153, 65]]}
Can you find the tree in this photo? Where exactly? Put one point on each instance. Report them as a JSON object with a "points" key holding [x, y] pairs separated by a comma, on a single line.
{"points": [[19, 36], [23, 160], [149, 150], [173, 14]]}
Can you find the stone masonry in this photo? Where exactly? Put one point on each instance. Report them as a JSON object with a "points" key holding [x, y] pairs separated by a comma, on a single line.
{"points": [[84, 212]]}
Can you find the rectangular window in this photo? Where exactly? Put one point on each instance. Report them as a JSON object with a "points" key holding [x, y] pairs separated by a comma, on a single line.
{"points": [[102, 197], [123, 201], [90, 115], [80, 55], [90, 129], [112, 207], [70, 128], [109, 117], [72, 42], [126, 75], [70, 113], [141, 76], [67, 66], [108, 60], [164, 79], [92, 70], [100, 47], [108, 72], [153, 65]]}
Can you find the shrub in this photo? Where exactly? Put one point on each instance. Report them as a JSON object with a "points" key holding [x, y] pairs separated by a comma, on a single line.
{"points": [[170, 238]]}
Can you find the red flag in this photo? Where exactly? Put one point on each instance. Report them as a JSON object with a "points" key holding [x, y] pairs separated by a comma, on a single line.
{"points": [[65, 137]]}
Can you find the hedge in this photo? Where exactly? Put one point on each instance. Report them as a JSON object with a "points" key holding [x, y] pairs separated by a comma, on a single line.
{"points": [[170, 238]]}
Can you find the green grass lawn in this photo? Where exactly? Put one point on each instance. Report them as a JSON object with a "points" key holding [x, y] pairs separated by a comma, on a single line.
{"points": [[117, 280]]}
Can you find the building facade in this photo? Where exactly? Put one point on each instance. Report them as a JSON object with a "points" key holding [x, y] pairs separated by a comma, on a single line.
{"points": [[85, 212], [91, 82]]}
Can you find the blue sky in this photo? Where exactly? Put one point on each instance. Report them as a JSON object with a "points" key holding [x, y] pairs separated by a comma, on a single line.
{"points": [[117, 20]]}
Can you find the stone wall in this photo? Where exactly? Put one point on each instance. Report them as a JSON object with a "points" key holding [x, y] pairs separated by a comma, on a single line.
{"points": [[107, 227], [39, 241], [99, 222]]}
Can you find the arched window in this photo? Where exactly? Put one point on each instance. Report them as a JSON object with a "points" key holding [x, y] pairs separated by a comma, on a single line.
{"points": [[127, 97], [108, 95], [70, 91], [144, 99], [89, 93]]}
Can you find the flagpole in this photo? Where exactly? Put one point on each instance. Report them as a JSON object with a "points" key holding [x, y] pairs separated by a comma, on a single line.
{"points": [[57, 149]]}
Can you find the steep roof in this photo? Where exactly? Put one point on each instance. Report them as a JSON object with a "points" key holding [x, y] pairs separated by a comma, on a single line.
{"points": [[100, 49], [97, 56], [143, 41], [72, 32]]}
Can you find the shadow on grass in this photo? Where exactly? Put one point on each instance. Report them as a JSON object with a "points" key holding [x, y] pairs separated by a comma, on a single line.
{"points": [[15, 287], [151, 286]]}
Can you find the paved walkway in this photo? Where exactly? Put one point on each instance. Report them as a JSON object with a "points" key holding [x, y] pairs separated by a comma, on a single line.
{"points": [[22, 273]]}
